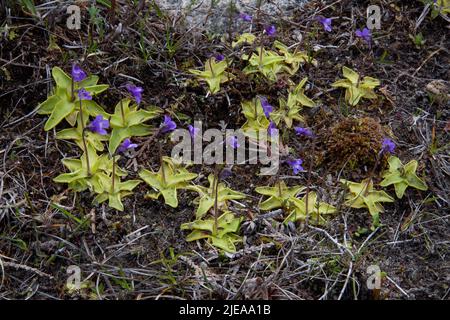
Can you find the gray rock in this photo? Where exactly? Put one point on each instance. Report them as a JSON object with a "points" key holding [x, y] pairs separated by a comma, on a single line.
{"points": [[214, 15]]}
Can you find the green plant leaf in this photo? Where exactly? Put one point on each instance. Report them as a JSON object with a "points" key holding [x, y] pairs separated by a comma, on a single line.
{"points": [[245, 38], [62, 109]]}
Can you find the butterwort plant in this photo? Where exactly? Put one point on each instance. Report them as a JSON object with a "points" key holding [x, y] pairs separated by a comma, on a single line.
{"points": [[73, 100], [170, 178], [289, 110], [64, 101], [214, 73], [402, 176], [356, 87], [113, 188], [293, 60], [129, 119]]}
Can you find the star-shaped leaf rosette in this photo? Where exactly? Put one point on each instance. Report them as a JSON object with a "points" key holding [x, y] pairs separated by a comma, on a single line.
{"points": [[280, 196], [245, 38], [363, 195], [128, 121], [207, 196], [214, 74], [256, 118], [266, 62], [356, 88], [113, 192], [314, 211], [402, 176], [84, 172], [167, 181], [64, 102], [293, 60], [223, 237], [290, 109]]}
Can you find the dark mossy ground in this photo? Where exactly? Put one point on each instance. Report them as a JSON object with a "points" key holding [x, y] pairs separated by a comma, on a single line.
{"points": [[141, 253]]}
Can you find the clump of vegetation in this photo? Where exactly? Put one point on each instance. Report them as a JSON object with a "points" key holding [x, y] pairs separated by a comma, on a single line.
{"points": [[354, 143]]}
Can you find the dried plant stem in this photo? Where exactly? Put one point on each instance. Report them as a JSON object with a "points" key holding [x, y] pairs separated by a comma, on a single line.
{"points": [[72, 90], [372, 172], [122, 112]]}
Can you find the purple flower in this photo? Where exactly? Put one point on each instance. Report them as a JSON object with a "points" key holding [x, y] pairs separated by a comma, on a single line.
{"points": [[233, 142], [135, 91], [365, 34], [270, 30], [193, 131], [127, 145], [219, 57], [226, 172], [245, 17], [303, 132], [388, 146], [326, 22], [83, 94], [296, 165], [98, 125], [77, 73], [272, 129], [168, 125], [267, 108]]}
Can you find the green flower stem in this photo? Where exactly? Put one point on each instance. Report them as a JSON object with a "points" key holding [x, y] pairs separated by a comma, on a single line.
{"points": [[210, 66], [163, 171], [83, 129], [260, 51], [113, 173], [215, 191]]}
